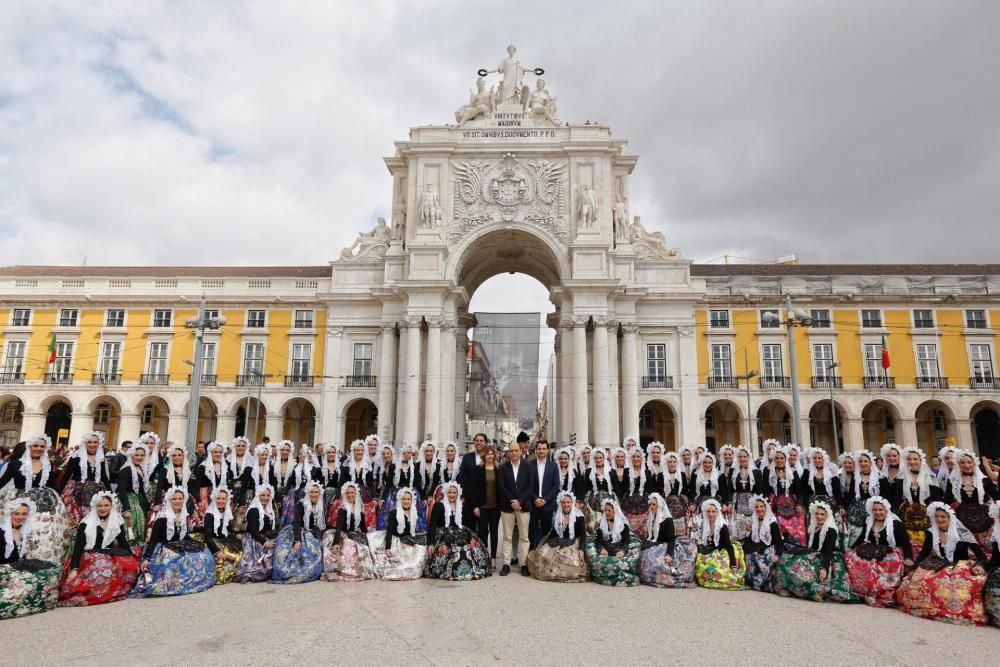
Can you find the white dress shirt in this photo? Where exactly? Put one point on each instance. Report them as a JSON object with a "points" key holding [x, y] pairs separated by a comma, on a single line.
{"points": [[541, 475]]}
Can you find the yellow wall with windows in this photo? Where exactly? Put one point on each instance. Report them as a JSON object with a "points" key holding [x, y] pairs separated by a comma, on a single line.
{"points": [[850, 352], [36, 363], [902, 354], [952, 357]]}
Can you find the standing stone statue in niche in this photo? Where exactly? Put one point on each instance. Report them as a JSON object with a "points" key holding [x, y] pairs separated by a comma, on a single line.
{"points": [[480, 103], [620, 212], [399, 218], [541, 104], [430, 208], [588, 207]]}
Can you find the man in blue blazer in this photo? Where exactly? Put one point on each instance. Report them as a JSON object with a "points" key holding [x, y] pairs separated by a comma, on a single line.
{"points": [[517, 490], [543, 502], [466, 479]]}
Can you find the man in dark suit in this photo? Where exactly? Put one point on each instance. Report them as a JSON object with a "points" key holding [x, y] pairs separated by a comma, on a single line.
{"points": [[517, 488], [467, 479], [543, 502]]}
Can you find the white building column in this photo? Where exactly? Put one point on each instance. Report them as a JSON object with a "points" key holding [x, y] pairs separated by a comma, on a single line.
{"points": [[692, 416], [963, 434], [177, 428], [432, 400], [578, 387], [448, 358], [225, 428], [906, 432], [329, 410], [461, 352], [854, 438], [600, 351], [614, 404], [33, 423], [81, 423], [128, 429], [386, 377], [410, 428], [564, 383], [630, 378], [274, 428]]}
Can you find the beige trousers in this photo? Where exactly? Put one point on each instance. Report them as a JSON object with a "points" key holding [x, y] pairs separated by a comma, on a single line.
{"points": [[507, 519]]}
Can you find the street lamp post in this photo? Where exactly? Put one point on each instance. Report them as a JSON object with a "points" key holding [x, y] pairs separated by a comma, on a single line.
{"points": [[198, 324], [833, 407], [797, 318], [261, 377]]}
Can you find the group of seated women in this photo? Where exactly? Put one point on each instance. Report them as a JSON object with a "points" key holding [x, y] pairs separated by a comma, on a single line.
{"points": [[882, 530]]}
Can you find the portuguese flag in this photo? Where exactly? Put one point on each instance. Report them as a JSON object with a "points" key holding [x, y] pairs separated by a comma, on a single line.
{"points": [[885, 353], [52, 349]]}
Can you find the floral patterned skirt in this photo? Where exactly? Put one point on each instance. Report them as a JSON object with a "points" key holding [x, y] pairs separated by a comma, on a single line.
{"points": [[255, 561], [678, 572], [854, 524], [678, 506], [291, 567], [456, 554], [388, 506], [242, 497], [76, 497], [712, 569], [407, 561], [791, 518], [618, 570], [592, 508], [51, 535], [875, 573], [103, 576], [288, 503], [135, 525], [28, 587], [797, 575], [558, 559], [760, 569], [370, 510], [991, 599], [741, 521], [636, 510], [227, 558], [177, 568], [351, 560], [952, 593], [914, 518]]}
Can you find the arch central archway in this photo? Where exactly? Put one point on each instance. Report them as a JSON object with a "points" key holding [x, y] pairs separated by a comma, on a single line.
{"points": [[513, 248]]}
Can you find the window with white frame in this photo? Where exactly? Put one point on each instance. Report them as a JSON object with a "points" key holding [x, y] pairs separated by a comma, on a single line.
{"points": [[769, 319], [927, 361], [982, 361], [718, 319], [14, 358], [158, 358], [303, 319], [656, 361], [975, 319], [148, 413], [102, 414], [822, 359], [208, 359], [301, 360], [873, 360], [871, 319], [63, 365], [20, 317], [923, 319], [722, 361], [772, 364], [256, 319], [111, 355], [363, 359], [820, 319], [253, 358], [69, 317], [115, 317], [162, 317], [212, 314]]}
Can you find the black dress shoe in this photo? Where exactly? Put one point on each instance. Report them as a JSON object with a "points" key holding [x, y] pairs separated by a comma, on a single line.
{"points": [[524, 571], [505, 570]]}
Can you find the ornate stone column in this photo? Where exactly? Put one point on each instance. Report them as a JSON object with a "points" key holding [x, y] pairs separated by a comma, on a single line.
{"points": [[448, 384], [602, 434], [614, 401], [692, 429], [432, 399], [410, 428], [564, 383], [461, 352], [386, 375], [630, 378], [578, 389]]}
